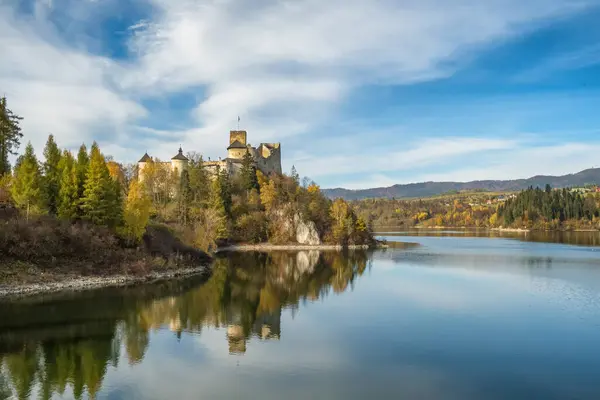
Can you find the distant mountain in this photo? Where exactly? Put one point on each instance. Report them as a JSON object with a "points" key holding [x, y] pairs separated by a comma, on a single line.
{"points": [[426, 189]]}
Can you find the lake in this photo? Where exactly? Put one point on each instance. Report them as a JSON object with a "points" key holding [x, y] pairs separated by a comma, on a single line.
{"points": [[462, 316]]}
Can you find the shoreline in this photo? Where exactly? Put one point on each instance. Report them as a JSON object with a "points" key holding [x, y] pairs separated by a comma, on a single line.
{"points": [[84, 283], [300, 247]]}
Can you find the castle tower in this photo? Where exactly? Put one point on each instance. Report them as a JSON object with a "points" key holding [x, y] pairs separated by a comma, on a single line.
{"points": [[179, 162], [237, 145], [142, 165]]}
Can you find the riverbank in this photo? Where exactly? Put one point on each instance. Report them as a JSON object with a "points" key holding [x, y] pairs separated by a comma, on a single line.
{"points": [[81, 283], [296, 247]]}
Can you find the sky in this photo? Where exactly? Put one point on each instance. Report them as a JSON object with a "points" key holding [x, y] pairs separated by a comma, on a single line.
{"points": [[360, 93]]}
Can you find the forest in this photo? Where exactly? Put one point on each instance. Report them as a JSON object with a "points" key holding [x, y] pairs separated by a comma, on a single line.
{"points": [[534, 208], [90, 194]]}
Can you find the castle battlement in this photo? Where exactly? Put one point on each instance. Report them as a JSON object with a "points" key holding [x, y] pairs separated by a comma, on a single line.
{"points": [[267, 157]]}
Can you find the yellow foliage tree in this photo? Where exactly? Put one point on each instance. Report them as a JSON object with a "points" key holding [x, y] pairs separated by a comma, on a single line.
{"points": [[268, 191], [137, 211]]}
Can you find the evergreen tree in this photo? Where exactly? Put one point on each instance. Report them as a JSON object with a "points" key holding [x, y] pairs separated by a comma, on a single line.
{"points": [[248, 173], [217, 204], [82, 165], [10, 135], [294, 175], [225, 183], [68, 196], [52, 174], [100, 203], [199, 181], [184, 198], [26, 189]]}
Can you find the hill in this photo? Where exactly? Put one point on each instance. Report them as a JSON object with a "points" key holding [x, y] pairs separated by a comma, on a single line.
{"points": [[427, 189]]}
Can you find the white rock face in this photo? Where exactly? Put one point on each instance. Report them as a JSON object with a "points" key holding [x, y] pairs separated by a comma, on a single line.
{"points": [[306, 232]]}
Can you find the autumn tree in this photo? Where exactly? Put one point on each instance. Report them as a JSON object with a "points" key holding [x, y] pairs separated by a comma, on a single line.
{"points": [[26, 188], [10, 135], [137, 211], [52, 174], [268, 191], [68, 197]]}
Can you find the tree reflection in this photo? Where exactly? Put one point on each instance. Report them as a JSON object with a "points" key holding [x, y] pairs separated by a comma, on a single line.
{"points": [[70, 343]]}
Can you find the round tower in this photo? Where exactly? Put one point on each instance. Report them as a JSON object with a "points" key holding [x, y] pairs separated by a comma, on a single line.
{"points": [[179, 162], [142, 165]]}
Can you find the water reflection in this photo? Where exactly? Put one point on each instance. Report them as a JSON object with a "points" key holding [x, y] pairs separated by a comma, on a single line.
{"points": [[66, 344], [583, 238]]}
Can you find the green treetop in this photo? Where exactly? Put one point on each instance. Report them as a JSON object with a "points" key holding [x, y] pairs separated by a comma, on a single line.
{"points": [[81, 166], [26, 188], [69, 184], [52, 174], [100, 203], [218, 205], [248, 172], [10, 135]]}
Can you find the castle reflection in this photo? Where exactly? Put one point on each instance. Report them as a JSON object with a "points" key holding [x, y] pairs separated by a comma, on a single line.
{"points": [[49, 345]]}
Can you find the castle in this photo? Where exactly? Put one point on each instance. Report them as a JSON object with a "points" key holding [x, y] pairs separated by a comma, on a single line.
{"points": [[267, 158]]}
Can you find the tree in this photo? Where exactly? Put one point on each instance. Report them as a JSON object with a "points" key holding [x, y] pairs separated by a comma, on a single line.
{"points": [[10, 135], [199, 180], [82, 166], [26, 188], [294, 175], [184, 198], [225, 183], [52, 174], [268, 191], [248, 173], [137, 211], [218, 206], [100, 203], [68, 197]]}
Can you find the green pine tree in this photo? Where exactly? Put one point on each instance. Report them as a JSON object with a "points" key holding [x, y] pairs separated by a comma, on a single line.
{"points": [[248, 173], [52, 174], [199, 182], [82, 165], [26, 189], [225, 183], [100, 203], [10, 135], [69, 184], [184, 198], [217, 204]]}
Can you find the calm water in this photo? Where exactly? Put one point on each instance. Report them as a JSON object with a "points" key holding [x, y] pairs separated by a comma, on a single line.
{"points": [[459, 317]]}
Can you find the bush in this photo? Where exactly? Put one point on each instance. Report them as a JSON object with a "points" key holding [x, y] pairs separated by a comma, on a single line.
{"points": [[251, 228]]}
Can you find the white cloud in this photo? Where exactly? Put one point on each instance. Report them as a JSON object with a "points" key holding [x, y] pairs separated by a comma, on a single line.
{"points": [[58, 89], [426, 152], [284, 66], [525, 162]]}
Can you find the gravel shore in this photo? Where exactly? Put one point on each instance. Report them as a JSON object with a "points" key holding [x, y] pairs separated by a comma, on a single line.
{"points": [[274, 247], [92, 282]]}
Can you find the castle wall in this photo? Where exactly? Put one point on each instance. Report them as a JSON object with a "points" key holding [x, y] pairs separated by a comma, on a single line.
{"points": [[268, 158], [236, 153]]}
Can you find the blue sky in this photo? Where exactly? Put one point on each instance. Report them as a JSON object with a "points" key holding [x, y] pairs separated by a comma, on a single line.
{"points": [[360, 93]]}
